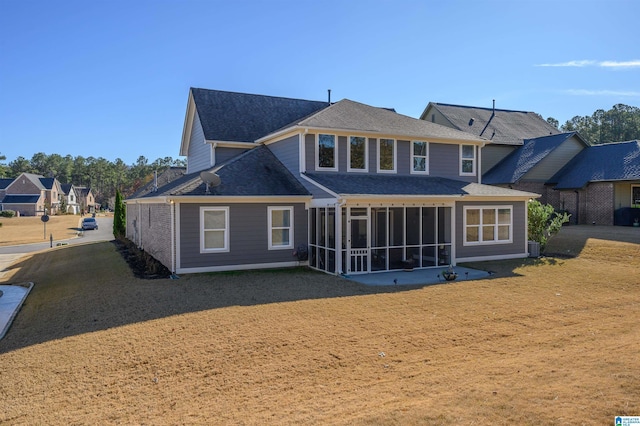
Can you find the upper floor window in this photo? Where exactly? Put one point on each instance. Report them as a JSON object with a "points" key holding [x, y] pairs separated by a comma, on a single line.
{"points": [[280, 227], [386, 155], [467, 160], [326, 152], [358, 154], [214, 229], [420, 157], [635, 195], [487, 225]]}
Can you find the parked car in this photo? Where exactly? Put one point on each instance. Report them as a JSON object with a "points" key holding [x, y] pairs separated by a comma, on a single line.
{"points": [[89, 223]]}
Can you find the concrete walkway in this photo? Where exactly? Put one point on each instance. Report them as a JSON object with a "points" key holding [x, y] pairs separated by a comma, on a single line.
{"points": [[416, 277], [11, 299]]}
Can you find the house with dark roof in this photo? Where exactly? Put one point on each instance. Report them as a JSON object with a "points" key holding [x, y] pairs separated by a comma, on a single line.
{"points": [[30, 194], [601, 184], [505, 129], [341, 187], [86, 200], [70, 198]]}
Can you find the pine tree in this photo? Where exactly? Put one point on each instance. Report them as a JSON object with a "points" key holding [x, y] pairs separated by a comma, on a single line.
{"points": [[119, 217]]}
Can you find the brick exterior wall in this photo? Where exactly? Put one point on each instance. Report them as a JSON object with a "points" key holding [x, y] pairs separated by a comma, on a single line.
{"points": [[598, 202], [149, 227]]}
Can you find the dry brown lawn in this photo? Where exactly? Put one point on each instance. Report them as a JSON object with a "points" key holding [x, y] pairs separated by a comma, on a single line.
{"points": [[30, 229], [549, 341]]}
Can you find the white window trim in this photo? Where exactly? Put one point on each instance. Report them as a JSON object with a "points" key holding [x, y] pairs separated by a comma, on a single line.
{"points": [[335, 153], [480, 241], [633, 202], [270, 209], [474, 159], [224, 249], [395, 155], [426, 161], [366, 154]]}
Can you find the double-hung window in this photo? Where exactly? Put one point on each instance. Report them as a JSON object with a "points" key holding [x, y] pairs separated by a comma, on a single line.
{"points": [[635, 195], [420, 157], [386, 155], [488, 225], [467, 160], [326, 152], [280, 227], [214, 229], [358, 154]]}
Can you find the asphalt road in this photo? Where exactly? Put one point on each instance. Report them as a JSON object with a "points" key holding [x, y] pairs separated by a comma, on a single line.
{"points": [[103, 233]]}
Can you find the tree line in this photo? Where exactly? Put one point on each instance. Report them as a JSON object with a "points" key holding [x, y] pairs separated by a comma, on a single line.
{"points": [[104, 177], [620, 123]]}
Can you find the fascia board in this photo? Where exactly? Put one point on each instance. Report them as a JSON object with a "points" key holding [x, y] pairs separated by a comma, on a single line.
{"points": [[231, 144], [188, 125], [187, 199]]}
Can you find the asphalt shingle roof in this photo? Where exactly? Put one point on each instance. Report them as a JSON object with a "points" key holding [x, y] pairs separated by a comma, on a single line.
{"points": [[601, 163], [242, 117], [353, 116], [20, 199], [256, 172], [4, 182], [371, 184], [518, 163], [506, 127]]}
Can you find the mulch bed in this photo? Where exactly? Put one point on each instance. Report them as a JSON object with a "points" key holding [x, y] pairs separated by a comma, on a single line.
{"points": [[141, 263]]}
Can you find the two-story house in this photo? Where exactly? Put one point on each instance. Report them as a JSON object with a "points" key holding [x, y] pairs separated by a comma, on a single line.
{"points": [[31, 195], [343, 187], [71, 198]]}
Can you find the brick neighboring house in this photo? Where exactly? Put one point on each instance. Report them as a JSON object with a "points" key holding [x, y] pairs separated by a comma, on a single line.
{"points": [[86, 200], [524, 152], [29, 194], [601, 184]]}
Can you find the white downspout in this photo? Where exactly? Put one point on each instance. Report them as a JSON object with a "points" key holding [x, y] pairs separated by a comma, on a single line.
{"points": [[338, 207]]}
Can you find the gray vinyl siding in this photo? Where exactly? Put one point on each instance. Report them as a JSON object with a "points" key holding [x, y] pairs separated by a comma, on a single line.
{"points": [[343, 154], [225, 154], [553, 162], [288, 152], [199, 155], [248, 236], [403, 162], [444, 161], [487, 250], [493, 154], [310, 152]]}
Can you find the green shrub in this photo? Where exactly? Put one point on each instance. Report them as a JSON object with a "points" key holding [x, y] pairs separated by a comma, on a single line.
{"points": [[7, 213], [544, 222]]}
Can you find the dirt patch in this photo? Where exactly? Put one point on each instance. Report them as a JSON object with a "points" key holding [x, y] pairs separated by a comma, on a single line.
{"points": [[141, 263]]}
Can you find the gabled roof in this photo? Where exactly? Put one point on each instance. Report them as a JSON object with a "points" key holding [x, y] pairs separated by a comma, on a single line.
{"points": [[402, 185], [256, 172], [243, 117], [349, 116], [82, 191], [47, 182], [519, 162], [33, 178], [501, 126], [20, 199], [66, 187], [601, 163]]}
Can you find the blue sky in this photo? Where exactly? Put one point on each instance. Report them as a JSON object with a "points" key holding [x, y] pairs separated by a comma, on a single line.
{"points": [[111, 78]]}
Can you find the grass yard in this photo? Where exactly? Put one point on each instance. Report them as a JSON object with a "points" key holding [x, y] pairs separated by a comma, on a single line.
{"points": [[548, 341], [30, 229]]}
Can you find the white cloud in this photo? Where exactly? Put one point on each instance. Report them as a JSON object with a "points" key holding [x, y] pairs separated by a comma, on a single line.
{"points": [[623, 64], [588, 63], [582, 63], [585, 92]]}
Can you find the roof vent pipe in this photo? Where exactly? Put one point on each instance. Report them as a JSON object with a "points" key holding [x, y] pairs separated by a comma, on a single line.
{"points": [[329, 95]]}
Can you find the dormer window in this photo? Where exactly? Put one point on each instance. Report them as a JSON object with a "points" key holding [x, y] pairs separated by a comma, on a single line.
{"points": [[358, 158], [467, 160], [326, 152]]}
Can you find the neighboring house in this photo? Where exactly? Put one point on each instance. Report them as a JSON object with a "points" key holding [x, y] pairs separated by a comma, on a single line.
{"points": [[531, 166], [505, 129], [601, 184], [86, 200], [4, 182], [29, 194], [71, 198], [344, 188]]}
